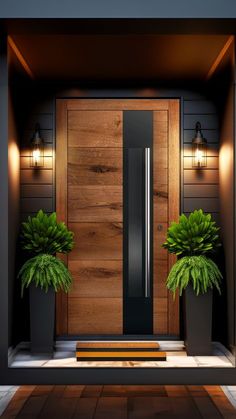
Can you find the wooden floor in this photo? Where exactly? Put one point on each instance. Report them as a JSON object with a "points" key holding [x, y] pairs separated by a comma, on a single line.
{"points": [[119, 402]]}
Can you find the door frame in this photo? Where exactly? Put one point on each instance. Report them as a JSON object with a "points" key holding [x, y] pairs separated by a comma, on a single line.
{"points": [[174, 179]]}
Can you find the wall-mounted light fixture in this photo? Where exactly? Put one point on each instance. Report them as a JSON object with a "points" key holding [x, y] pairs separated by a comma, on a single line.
{"points": [[37, 149], [199, 148]]}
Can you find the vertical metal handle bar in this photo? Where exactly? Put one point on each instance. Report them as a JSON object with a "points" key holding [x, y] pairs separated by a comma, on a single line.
{"points": [[147, 222]]}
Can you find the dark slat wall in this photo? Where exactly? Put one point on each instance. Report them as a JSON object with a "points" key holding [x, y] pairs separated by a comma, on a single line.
{"points": [[199, 188], [38, 186]]}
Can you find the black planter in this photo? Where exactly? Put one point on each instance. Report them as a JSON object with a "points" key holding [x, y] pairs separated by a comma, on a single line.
{"points": [[198, 322], [42, 319]]}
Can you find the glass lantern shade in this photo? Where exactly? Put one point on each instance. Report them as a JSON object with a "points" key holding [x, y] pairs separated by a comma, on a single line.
{"points": [[37, 150], [199, 149]]}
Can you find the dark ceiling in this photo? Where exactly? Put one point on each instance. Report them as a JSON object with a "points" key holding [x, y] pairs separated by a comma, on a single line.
{"points": [[120, 57]]}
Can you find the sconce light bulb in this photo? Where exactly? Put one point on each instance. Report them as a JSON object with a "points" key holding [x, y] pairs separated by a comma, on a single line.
{"points": [[199, 156], [36, 156]]}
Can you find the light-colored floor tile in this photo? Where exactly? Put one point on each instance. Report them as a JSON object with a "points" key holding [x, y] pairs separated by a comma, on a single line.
{"points": [[28, 363], [231, 388], [6, 388], [5, 400], [212, 361], [230, 395]]}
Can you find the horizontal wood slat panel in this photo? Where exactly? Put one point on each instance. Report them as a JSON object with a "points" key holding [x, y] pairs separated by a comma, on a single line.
{"points": [[160, 269], [199, 107], [212, 135], [201, 176], [212, 163], [96, 278], [212, 150], [160, 207], [31, 176], [95, 316], [160, 318], [25, 163], [160, 183], [97, 241], [201, 191], [35, 204], [37, 191], [160, 158], [95, 203], [161, 129], [207, 121], [159, 237], [95, 128], [94, 166], [160, 218], [206, 204]]}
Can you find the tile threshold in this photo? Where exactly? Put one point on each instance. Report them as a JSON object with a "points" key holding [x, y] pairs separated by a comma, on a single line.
{"points": [[176, 357]]}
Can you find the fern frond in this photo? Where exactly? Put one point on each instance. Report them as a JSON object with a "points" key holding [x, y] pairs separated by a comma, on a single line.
{"points": [[198, 271], [45, 271]]}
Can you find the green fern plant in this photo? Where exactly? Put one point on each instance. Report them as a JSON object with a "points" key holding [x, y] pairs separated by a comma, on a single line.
{"points": [[44, 234], [199, 271], [191, 239], [45, 271]]}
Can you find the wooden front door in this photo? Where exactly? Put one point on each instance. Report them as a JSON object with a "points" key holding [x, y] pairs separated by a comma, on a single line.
{"points": [[89, 199]]}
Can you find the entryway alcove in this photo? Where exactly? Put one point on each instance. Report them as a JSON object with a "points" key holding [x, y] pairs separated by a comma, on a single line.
{"points": [[117, 114]]}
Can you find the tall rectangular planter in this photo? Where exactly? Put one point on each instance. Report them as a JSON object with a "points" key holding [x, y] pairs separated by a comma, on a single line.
{"points": [[198, 322], [42, 319]]}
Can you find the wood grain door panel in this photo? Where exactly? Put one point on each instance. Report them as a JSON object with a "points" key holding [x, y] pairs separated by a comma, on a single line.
{"points": [[159, 281], [95, 128], [160, 315], [95, 316], [98, 166], [97, 241], [95, 203], [96, 278], [89, 180], [165, 206]]}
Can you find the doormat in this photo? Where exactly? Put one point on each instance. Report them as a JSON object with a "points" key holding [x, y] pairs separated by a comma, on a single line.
{"points": [[119, 351]]}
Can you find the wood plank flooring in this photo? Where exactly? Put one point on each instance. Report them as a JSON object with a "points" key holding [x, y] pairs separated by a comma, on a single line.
{"points": [[119, 402]]}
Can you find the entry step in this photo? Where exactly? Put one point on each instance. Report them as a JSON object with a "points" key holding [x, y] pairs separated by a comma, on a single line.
{"points": [[119, 351]]}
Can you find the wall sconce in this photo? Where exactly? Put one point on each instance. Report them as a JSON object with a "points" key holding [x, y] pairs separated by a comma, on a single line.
{"points": [[37, 149], [199, 148]]}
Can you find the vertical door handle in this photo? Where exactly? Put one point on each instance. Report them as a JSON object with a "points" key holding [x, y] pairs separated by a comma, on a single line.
{"points": [[147, 222]]}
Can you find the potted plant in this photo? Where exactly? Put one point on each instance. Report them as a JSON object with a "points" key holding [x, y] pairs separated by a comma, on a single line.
{"points": [[44, 237], [193, 239]]}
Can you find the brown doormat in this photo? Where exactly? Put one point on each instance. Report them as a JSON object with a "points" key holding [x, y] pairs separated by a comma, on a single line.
{"points": [[119, 351]]}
